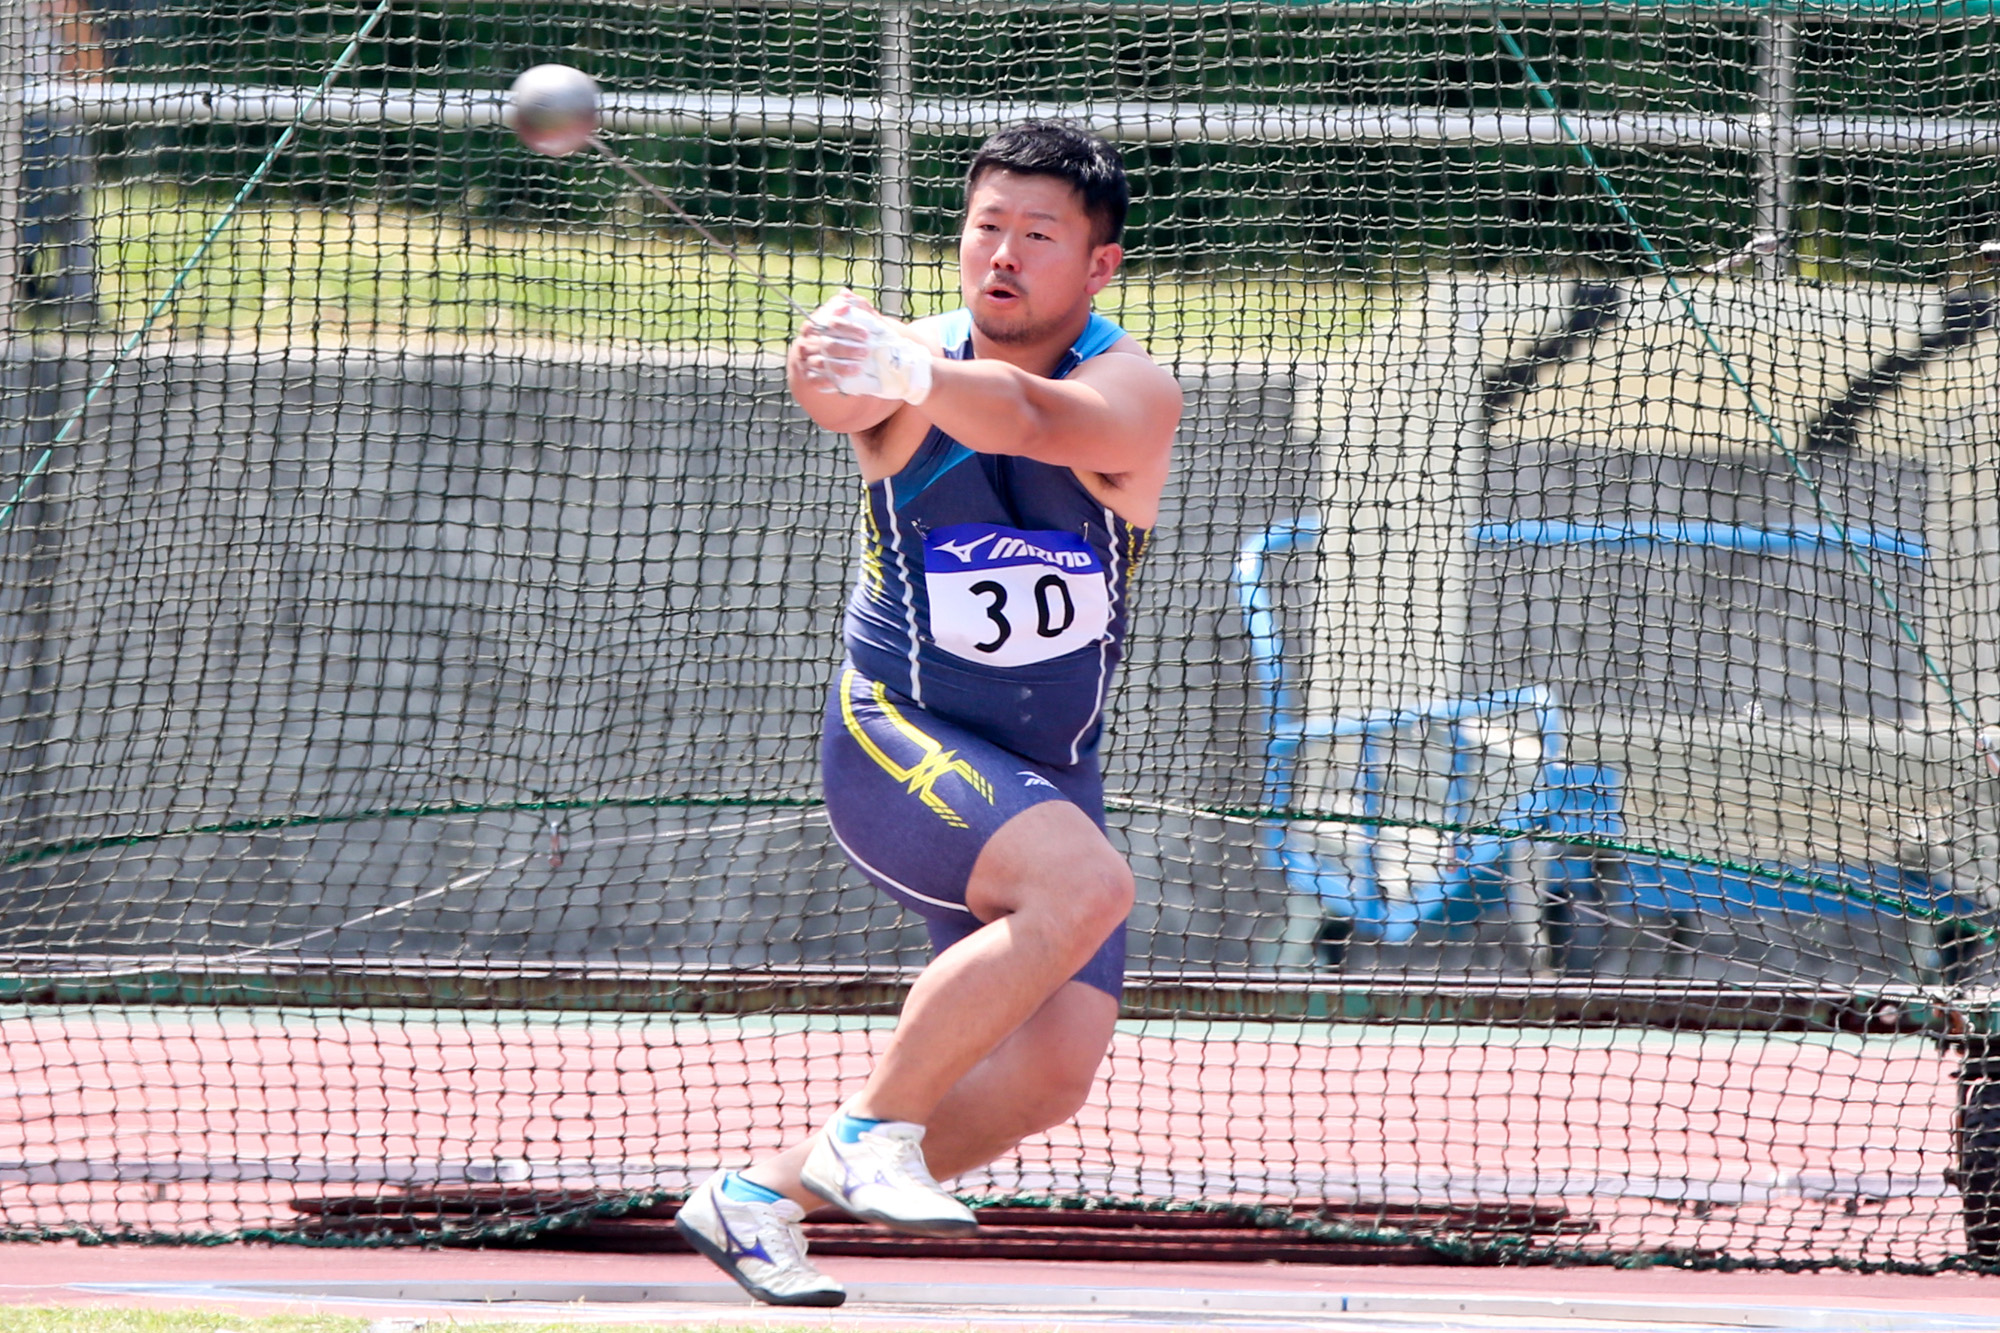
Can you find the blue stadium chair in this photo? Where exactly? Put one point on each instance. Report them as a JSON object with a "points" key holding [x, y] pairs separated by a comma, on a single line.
{"points": [[1452, 779], [1458, 843]]}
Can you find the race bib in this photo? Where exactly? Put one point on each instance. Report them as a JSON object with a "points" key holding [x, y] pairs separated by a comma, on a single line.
{"points": [[1009, 598]]}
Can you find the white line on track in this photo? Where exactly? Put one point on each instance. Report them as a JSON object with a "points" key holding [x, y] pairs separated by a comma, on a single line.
{"points": [[979, 1305]]}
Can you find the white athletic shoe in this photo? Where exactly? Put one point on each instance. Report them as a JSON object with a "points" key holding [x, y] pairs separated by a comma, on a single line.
{"points": [[881, 1177], [761, 1245]]}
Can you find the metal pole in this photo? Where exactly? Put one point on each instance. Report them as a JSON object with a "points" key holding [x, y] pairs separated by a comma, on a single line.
{"points": [[686, 113], [893, 145], [26, 546], [1777, 139], [15, 34]]}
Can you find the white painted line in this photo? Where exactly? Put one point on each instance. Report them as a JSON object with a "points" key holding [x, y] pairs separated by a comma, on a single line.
{"points": [[1355, 1312]]}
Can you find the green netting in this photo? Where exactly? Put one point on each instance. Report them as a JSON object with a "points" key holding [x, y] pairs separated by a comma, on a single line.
{"points": [[1561, 740]]}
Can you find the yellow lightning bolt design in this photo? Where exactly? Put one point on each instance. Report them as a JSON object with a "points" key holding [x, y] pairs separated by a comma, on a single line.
{"points": [[871, 545], [919, 779]]}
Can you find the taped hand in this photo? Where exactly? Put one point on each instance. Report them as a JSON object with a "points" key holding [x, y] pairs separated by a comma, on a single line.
{"points": [[864, 354]]}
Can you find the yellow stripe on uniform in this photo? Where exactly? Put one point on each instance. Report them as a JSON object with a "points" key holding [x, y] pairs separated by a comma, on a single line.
{"points": [[921, 778]]}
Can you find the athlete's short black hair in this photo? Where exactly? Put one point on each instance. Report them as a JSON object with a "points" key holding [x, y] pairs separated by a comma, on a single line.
{"points": [[1069, 153]]}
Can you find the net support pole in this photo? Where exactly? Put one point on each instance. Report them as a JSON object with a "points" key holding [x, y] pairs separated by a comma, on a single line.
{"points": [[15, 36], [1777, 132], [893, 155], [33, 375]]}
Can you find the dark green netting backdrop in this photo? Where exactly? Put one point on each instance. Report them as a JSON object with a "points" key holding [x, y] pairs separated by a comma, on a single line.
{"points": [[1560, 749]]}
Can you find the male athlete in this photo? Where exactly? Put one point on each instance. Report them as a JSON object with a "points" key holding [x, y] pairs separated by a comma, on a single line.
{"points": [[1013, 454]]}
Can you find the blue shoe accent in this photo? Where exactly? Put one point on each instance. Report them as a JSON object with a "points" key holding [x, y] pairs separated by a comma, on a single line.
{"points": [[876, 1172], [849, 1128], [736, 1187], [760, 1245]]}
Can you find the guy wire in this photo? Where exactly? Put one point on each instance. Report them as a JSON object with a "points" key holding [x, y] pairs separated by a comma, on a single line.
{"points": [[173, 292], [1799, 469]]}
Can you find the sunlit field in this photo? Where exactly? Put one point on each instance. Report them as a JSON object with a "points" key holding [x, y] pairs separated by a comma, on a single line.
{"points": [[281, 272]]}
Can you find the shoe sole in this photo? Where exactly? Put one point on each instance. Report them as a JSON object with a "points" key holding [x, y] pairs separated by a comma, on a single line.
{"points": [[940, 1227], [720, 1258]]}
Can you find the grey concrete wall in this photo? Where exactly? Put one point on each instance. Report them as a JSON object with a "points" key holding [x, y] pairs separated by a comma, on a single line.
{"points": [[262, 587], [1186, 730], [1696, 629]]}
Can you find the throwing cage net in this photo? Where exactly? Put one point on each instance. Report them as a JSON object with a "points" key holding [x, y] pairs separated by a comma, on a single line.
{"points": [[1557, 746]]}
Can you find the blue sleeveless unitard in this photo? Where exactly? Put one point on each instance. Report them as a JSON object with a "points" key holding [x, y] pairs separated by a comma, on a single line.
{"points": [[987, 619], [993, 589]]}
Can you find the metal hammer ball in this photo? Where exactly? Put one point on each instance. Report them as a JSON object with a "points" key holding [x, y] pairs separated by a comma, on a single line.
{"points": [[553, 108]]}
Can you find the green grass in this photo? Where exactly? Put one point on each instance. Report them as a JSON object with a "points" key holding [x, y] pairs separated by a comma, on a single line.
{"points": [[292, 274], [98, 1319]]}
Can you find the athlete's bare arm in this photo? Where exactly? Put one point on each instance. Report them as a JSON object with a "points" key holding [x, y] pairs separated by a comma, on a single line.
{"points": [[1112, 421], [1116, 414]]}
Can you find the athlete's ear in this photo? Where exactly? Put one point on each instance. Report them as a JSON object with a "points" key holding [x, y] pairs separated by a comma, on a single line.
{"points": [[1104, 262]]}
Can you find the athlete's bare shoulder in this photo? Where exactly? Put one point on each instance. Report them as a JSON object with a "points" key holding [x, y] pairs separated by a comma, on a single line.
{"points": [[930, 329], [1159, 381], [1130, 456]]}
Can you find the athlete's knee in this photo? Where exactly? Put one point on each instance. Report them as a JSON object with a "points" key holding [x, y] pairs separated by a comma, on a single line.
{"points": [[1063, 1096], [1052, 863], [1061, 1087], [1088, 900], [1081, 901], [1105, 890]]}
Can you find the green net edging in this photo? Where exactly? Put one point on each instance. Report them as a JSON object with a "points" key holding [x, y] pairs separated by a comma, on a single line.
{"points": [[443, 810], [1481, 1249], [1778, 874]]}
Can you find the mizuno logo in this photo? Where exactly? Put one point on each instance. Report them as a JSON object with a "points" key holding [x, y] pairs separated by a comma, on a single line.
{"points": [[736, 1245], [1014, 548], [965, 550], [1037, 780]]}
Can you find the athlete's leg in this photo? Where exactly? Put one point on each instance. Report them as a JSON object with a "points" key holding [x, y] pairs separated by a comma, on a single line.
{"points": [[1050, 888], [1038, 1079], [1022, 893]]}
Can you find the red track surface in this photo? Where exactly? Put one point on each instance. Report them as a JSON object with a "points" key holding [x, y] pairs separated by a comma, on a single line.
{"points": [[1787, 1148]]}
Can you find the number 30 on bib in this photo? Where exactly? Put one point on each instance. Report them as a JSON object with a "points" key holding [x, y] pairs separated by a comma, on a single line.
{"points": [[1009, 598]]}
